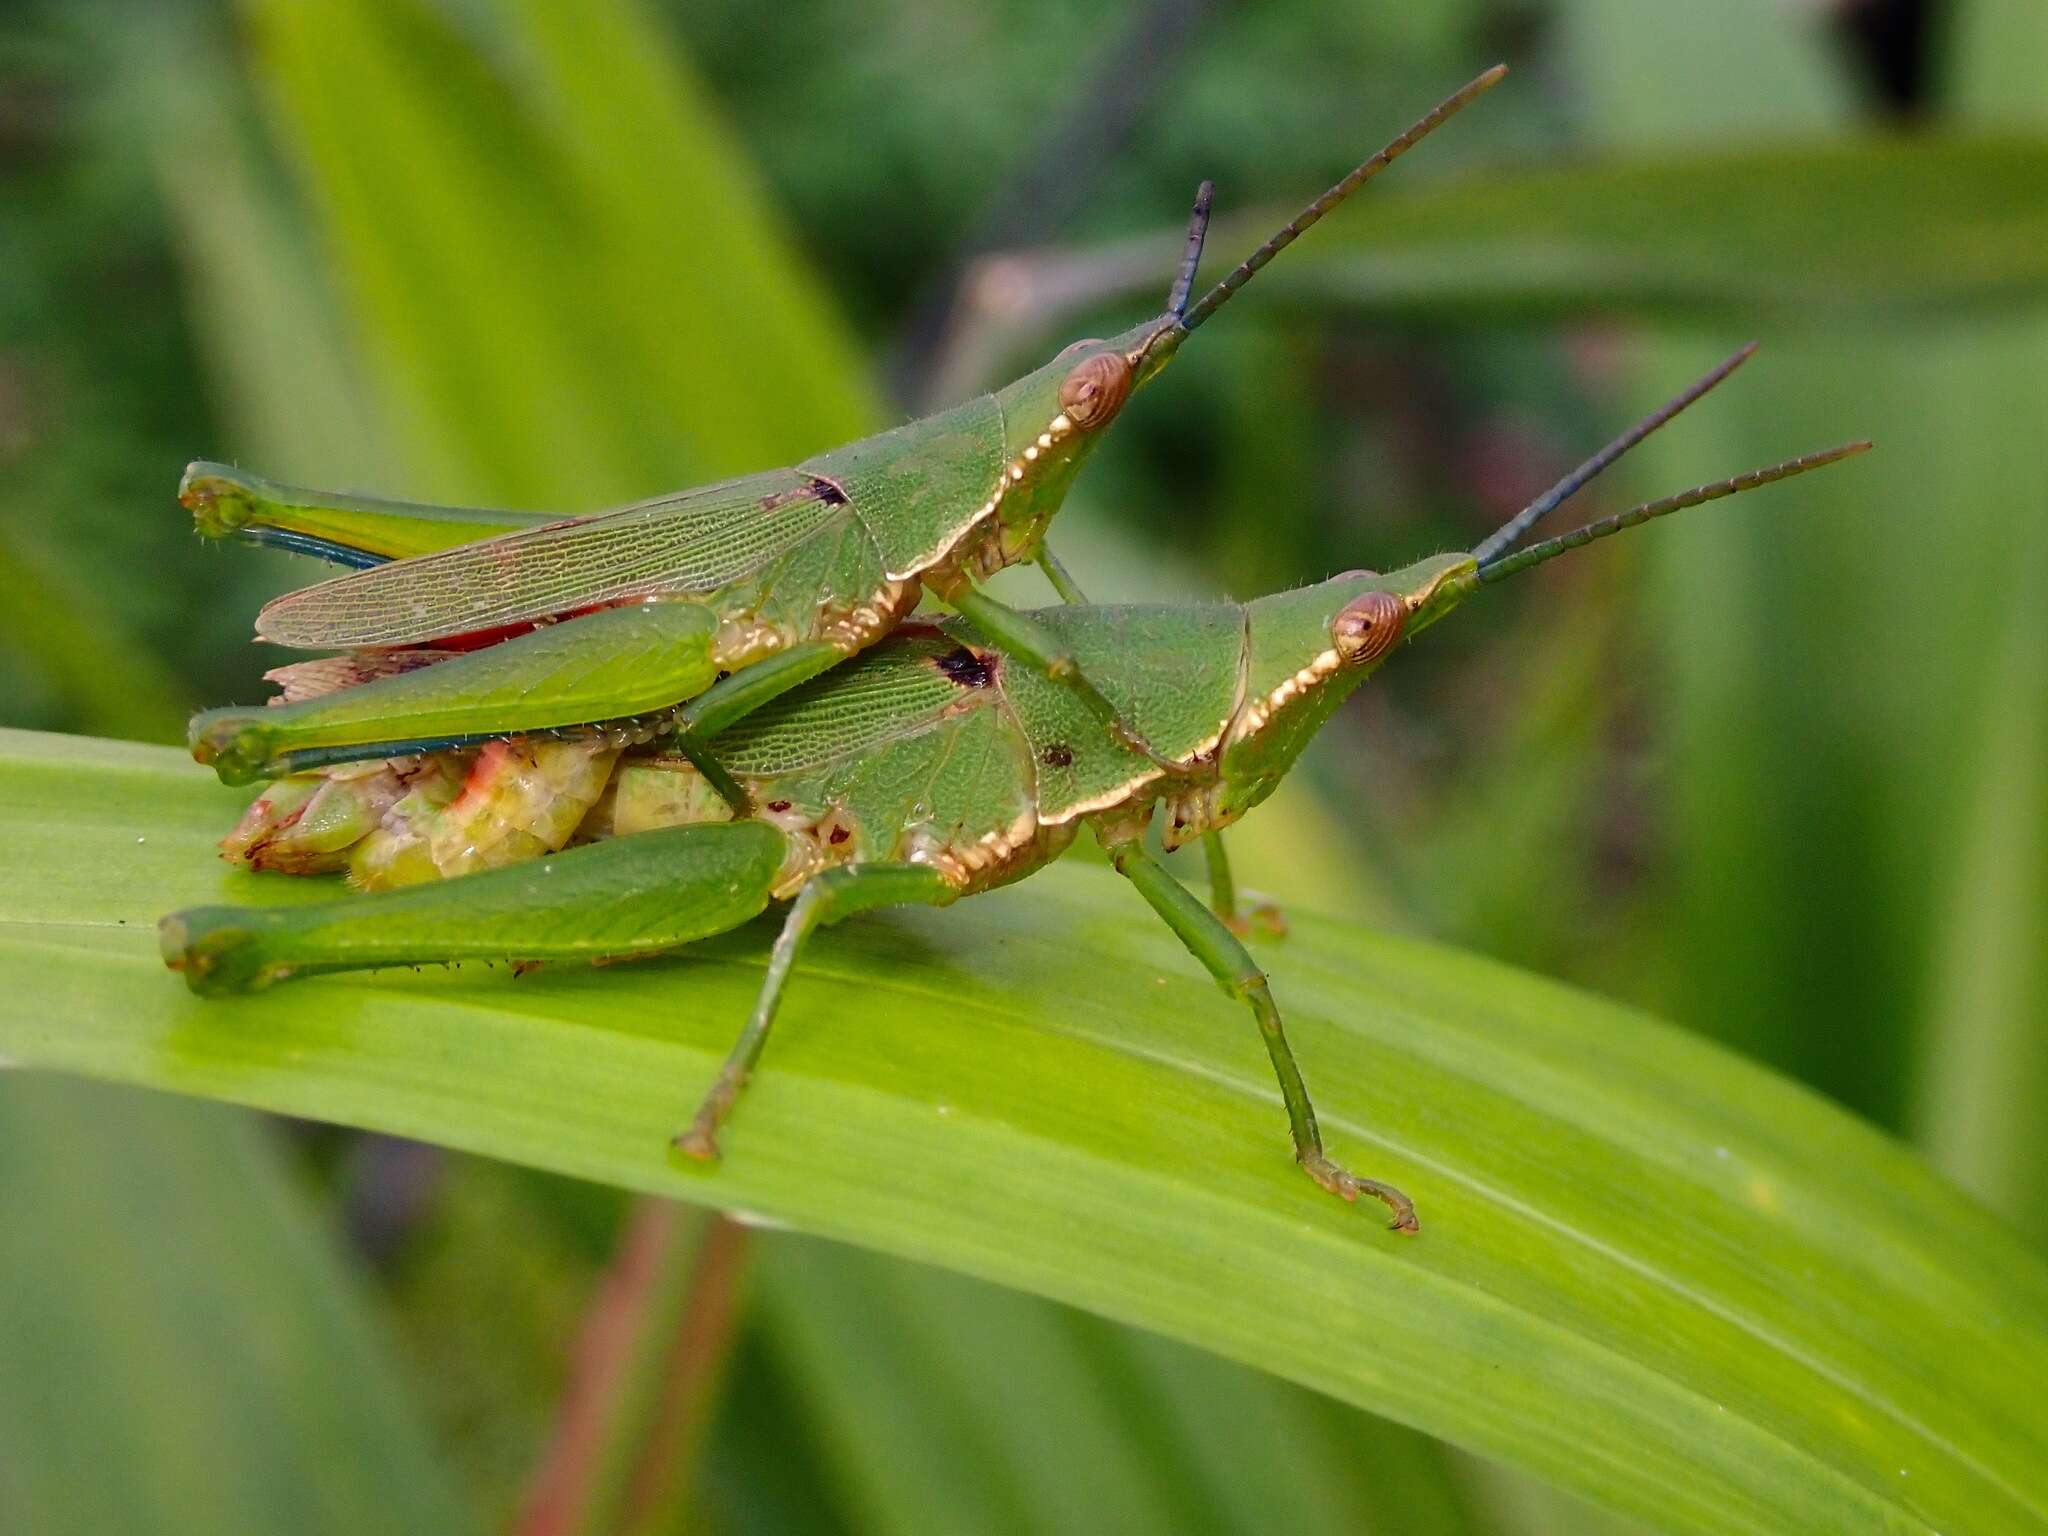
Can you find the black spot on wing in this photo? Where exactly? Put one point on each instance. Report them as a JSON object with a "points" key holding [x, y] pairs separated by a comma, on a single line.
{"points": [[1057, 755], [967, 668]]}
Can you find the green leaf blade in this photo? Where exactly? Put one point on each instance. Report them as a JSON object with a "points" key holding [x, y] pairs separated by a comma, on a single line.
{"points": [[1648, 1271], [146, 1384], [1798, 233]]}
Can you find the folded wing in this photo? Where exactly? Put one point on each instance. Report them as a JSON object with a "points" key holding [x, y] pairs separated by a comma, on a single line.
{"points": [[694, 541]]}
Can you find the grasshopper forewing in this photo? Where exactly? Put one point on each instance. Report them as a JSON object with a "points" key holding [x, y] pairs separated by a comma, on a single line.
{"points": [[933, 767], [765, 581]]}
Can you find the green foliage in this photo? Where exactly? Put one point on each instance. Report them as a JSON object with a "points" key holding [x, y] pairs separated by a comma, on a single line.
{"points": [[1784, 235], [181, 1346], [1778, 773], [1635, 1247]]}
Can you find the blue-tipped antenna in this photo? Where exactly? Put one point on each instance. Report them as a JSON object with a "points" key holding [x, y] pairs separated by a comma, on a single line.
{"points": [[1241, 274], [1498, 542], [1198, 231], [1506, 565]]}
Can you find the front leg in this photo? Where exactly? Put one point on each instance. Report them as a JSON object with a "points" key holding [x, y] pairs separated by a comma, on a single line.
{"points": [[1025, 640], [1210, 942]]}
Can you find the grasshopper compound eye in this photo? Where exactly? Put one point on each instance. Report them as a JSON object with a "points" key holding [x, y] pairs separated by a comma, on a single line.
{"points": [[1096, 390], [1368, 626]]}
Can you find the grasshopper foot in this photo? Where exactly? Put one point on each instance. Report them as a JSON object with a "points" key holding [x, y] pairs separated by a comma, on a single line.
{"points": [[1348, 1186], [700, 1142], [699, 1139], [1265, 921]]}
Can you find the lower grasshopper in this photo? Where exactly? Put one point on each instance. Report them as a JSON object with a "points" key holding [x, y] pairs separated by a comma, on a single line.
{"points": [[684, 613], [928, 769]]}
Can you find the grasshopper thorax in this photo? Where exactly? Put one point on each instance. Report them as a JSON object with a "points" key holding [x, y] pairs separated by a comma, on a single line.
{"points": [[1052, 419]]}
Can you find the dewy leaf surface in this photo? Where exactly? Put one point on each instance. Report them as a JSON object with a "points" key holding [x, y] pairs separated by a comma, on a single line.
{"points": [[1648, 1271]]}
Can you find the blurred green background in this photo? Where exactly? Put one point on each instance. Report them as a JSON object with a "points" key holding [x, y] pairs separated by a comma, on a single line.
{"points": [[1778, 770]]}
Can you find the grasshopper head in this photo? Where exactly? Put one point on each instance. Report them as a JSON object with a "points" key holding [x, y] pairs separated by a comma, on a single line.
{"points": [[1072, 398], [1054, 415], [1365, 630], [1310, 648], [1307, 650]]}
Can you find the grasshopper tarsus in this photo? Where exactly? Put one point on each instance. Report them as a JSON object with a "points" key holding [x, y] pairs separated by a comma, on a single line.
{"points": [[699, 1143], [699, 1139], [1349, 1186], [1264, 921]]}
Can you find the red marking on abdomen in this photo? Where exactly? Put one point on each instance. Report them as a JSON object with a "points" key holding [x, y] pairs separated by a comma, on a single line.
{"points": [[479, 639]]}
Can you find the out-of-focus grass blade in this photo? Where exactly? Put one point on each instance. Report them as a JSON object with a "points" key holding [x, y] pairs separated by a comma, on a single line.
{"points": [[84, 653], [1816, 791], [179, 1348], [1650, 1272], [650, 1360], [1779, 234], [491, 1283], [568, 290], [934, 1392], [1775, 234], [277, 356], [1985, 1053], [1986, 1059]]}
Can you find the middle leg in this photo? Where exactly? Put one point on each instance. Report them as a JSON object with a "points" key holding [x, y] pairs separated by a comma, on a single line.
{"points": [[1210, 942]]}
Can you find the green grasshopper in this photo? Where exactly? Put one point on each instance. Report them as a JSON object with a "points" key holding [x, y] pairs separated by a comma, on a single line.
{"points": [[931, 767], [680, 615]]}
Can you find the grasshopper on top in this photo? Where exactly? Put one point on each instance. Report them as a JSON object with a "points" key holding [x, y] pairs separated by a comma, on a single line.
{"points": [[931, 768], [753, 585]]}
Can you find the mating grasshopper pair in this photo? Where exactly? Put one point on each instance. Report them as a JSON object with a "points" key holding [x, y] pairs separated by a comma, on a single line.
{"points": [[664, 686]]}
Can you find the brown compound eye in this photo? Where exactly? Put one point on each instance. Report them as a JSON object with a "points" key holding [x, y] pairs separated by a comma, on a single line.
{"points": [[1368, 626], [1096, 390]]}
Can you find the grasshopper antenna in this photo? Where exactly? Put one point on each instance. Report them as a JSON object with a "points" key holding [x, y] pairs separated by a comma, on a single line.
{"points": [[1240, 275], [1503, 566], [1198, 231], [1569, 486]]}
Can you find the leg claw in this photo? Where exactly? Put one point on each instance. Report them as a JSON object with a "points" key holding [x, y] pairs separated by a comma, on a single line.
{"points": [[1348, 1186], [1264, 921], [1269, 920], [697, 1142]]}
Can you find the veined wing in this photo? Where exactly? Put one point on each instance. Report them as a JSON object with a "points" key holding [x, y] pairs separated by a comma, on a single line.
{"points": [[693, 541], [891, 690]]}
